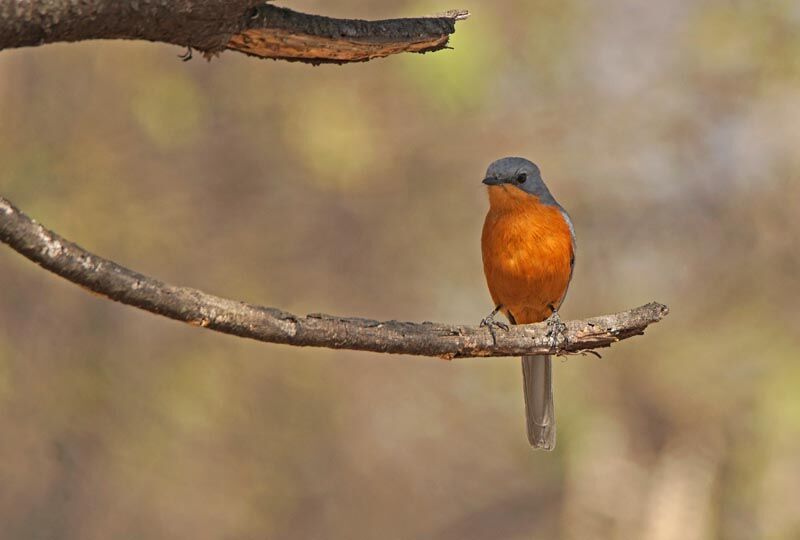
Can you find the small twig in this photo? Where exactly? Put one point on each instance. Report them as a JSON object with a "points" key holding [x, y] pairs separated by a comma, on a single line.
{"points": [[198, 308], [582, 352], [185, 57]]}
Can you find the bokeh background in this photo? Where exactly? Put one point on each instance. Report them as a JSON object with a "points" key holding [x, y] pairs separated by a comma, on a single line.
{"points": [[670, 132]]}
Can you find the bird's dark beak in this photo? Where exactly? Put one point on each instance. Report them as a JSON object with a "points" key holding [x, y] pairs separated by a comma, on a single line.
{"points": [[492, 181]]}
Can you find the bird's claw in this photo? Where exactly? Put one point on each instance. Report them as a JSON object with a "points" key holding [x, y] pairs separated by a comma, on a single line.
{"points": [[491, 324]]}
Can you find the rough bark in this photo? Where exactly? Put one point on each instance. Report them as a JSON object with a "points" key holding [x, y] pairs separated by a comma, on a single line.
{"points": [[211, 26], [204, 25], [107, 278], [281, 33]]}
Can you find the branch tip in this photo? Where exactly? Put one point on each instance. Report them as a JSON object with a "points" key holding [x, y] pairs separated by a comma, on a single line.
{"points": [[280, 33]]}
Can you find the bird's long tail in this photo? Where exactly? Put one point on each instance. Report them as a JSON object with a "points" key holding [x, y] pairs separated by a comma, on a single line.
{"points": [[537, 375]]}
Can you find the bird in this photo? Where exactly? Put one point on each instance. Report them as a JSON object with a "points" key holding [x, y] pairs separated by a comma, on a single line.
{"points": [[528, 247]]}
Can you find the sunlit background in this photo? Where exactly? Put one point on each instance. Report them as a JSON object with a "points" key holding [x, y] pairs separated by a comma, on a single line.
{"points": [[669, 130]]}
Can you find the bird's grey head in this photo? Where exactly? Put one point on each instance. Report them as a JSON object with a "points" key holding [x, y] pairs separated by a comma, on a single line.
{"points": [[519, 173]]}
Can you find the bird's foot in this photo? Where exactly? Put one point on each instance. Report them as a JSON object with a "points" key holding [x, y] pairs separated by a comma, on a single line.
{"points": [[555, 328], [491, 324]]}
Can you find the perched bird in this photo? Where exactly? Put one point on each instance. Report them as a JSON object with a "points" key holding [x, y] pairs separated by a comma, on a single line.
{"points": [[528, 246]]}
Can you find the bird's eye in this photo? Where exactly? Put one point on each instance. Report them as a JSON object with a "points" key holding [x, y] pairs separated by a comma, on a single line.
{"points": [[521, 177]]}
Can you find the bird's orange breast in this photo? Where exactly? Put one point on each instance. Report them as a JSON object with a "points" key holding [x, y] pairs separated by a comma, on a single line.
{"points": [[527, 254]]}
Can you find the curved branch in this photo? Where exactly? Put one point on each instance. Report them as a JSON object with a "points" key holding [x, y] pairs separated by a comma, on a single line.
{"points": [[280, 33], [211, 26], [116, 282]]}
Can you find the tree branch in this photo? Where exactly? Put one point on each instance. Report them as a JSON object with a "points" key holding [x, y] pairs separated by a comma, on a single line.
{"points": [[210, 26], [284, 34], [116, 282]]}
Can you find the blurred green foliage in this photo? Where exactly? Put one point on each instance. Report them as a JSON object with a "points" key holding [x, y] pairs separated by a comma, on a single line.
{"points": [[168, 107], [668, 130]]}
